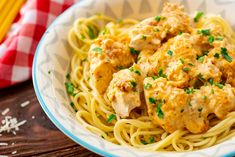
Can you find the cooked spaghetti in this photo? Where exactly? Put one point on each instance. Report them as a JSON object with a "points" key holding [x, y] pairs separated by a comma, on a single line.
{"points": [[162, 84]]}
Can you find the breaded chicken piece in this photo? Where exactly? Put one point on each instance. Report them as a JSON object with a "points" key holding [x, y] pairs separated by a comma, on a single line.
{"points": [[149, 33], [173, 108], [124, 90], [107, 55]]}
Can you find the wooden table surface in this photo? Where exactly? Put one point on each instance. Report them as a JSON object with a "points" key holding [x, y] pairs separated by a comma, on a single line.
{"points": [[39, 136]]}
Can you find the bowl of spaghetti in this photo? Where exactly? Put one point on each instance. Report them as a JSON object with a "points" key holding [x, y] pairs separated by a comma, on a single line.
{"points": [[150, 78]]}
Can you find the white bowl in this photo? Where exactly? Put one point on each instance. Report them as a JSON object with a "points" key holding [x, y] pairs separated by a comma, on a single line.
{"points": [[53, 54]]}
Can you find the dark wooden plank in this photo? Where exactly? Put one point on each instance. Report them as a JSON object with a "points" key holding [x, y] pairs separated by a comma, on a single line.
{"points": [[38, 136]]}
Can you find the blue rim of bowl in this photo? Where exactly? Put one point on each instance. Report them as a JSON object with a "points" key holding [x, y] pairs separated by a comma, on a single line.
{"points": [[44, 106]]}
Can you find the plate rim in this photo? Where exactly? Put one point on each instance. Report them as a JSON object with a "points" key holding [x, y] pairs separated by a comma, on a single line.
{"points": [[44, 106]]}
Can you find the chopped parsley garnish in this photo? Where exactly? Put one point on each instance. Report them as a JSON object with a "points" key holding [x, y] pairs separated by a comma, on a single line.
{"points": [[219, 85], [211, 81], [204, 97], [147, 86], [156, 30], [161, 74], [186, 69], [191, 64], [111, 118], [200, 76], [151, 139], [120, 21], [200, 109], [224, 53], [68, 76], [69, 87], [134, 84], [169, 52], [49, 72], [198, 16], [144, 142], [211, 39], [144, 37], [180, 33], [212, 91], [204, 32], [133, 51], [91, 32], [73, 106], [121, 67], [84, 60], [182, 60], [158, 18], [135, 71], [152, 100], [160, 114], [97, 49], [201, 59], [216, 55], [189, 90], [219, 38], [154, 77]]}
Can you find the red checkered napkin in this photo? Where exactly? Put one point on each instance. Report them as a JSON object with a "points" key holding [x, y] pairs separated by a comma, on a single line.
{"points": [[18, 48]]}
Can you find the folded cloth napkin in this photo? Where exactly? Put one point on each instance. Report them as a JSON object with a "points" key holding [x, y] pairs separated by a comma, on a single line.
{"points": [[18, 48]]}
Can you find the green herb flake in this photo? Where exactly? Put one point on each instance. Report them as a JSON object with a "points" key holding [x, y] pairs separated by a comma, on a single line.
{"points": [[200, 76], [120, 21], [134, 84], [156, 30], [133, 51], [152, 100], [198, 16], [49, 72], [186, 69], [147, 86], [211, 39], [91, 32], [69, 87], [144, 142], [212, 91], [182, 60], [201, 59], [180, 33], [200, 109], [219, 38], [216, 55], [158, 18], [111, 118], [204, 97], [211, 81], [219, 85], [151, 139], [97, 49], [73, 106], [204, 32], [191, 64], [67, 76], [189, 90], [224, 53], [159, 111], [137, 72], [121, 67], [144, 37], [160, 73], [170, 53], [154, 77]]}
